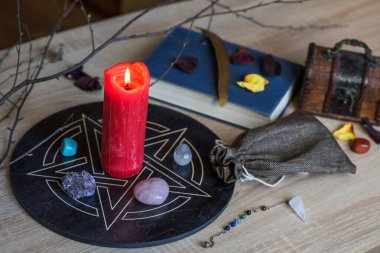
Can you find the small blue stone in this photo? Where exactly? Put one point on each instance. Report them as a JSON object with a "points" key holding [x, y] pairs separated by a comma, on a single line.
{"points": [[233, 224], [238, 221], [227, 228], [69, 147]]}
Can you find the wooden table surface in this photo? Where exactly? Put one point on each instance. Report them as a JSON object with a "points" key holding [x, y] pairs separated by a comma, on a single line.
{"points": [[343, 210]]}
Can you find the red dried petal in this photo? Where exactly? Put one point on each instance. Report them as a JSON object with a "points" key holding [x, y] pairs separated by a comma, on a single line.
{"points": [[241, 57], [75, 74], [186, 63], [88, 83], [83, 80], [270, 67]]}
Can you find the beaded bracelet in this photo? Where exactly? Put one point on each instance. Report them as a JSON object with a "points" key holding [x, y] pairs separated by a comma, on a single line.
{"points": [[210, 243]]}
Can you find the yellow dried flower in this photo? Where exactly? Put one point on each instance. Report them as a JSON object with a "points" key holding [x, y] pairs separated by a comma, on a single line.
{"points": [[253, 82], [345, 133]]}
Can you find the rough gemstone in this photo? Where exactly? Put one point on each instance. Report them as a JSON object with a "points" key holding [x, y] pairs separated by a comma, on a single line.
{"points": [[152, 191], [69, 147], [297, 205], [79, 184], [361, 145], [182, 154]]}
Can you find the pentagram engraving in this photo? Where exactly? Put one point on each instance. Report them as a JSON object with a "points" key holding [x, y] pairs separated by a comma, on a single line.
{"points": [[113, 198], [112, 217]]}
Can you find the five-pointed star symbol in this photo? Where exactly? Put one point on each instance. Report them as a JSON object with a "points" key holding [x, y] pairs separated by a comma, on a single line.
{"points": [[114, 197]]}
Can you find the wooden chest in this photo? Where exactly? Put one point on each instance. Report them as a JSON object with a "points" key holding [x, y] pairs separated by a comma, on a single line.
{"points": [[342, 84]]}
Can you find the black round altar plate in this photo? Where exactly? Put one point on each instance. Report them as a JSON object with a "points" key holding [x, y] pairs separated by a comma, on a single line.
{"points": [[112, 217]]}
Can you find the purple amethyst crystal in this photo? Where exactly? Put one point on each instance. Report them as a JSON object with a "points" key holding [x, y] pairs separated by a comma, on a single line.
{"points": [[79, 184], [270, 67]]}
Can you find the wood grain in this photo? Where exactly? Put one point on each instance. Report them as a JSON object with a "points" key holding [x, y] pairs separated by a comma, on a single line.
{"points": [[343, 210]]}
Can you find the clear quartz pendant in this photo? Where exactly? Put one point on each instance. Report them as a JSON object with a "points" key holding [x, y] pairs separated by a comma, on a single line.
{"points": [[297, 205]]}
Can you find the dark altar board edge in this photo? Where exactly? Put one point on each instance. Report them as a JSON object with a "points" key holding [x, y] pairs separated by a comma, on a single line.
{"points": [[129, 245], [113, 245]]}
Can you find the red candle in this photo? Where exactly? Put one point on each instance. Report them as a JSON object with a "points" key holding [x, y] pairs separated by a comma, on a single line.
{"points": [[126, 90]]}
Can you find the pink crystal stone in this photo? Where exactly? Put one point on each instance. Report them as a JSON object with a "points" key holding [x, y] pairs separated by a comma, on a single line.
{"points": [[152, 191]]}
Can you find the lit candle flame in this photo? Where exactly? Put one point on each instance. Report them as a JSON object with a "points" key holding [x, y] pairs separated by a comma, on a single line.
{"points": [[127, 77]]}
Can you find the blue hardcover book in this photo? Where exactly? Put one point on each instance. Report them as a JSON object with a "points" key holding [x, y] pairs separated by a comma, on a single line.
{"points": [[198, 91]]}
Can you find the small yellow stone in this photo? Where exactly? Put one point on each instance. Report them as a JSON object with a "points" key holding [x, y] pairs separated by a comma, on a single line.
{"points": [[345, 133], [253, 82]]}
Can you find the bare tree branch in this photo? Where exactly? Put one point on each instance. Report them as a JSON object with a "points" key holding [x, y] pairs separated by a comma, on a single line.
{"points": [[5, 55], [110, 40], [88, 20], [262, 24], [24, 88], [18, 46]]}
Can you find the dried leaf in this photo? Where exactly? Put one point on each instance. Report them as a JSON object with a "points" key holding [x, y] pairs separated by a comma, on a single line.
{"points": [[221, 55], [373, 133], [186, 63], [270, 67], [345, 133], [241, 57]]}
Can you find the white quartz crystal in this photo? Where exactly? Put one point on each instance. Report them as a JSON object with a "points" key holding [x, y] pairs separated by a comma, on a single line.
{"points": [[297, 205], [182, 154]]}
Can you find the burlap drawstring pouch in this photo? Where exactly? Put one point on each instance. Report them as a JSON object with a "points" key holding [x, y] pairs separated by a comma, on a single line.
{"points": [[296, 143]]}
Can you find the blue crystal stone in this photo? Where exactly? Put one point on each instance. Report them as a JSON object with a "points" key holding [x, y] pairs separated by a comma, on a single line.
{"points": [[238, 221], [227, 228], [182, 154], [233, 224], [69, 147]]}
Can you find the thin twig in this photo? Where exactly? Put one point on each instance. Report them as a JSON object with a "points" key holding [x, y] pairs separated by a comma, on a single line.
{"points": [[12, 108], [184, 44], [27, 85], [279, 27], [60, 129], [18, 46], [5, 55], [210, 19], [110, 40], [88, 20]]}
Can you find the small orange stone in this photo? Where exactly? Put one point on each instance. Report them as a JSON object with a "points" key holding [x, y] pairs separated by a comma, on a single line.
{"points": [[361, 145]]}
